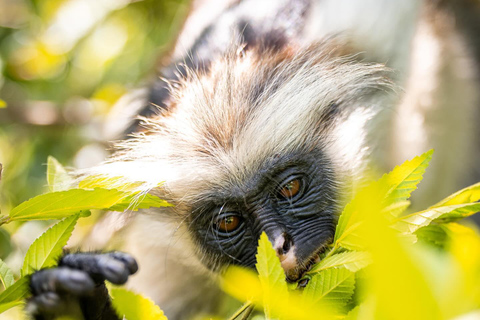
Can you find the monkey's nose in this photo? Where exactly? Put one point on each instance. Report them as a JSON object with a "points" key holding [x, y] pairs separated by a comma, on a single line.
{"points": [[285, 250]]}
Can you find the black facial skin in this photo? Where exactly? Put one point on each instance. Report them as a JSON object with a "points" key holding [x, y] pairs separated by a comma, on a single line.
{"points": [[308, 218]]}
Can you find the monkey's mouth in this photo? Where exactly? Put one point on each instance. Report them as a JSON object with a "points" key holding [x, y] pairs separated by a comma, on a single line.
{"points": [[295, 274]]}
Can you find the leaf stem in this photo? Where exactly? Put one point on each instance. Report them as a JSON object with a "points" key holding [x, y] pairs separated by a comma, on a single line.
{"points": [[4, 219], [247, 313], [246, 306]]}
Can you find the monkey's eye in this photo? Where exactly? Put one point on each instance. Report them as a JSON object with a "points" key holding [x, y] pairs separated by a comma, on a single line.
{"points": [[291, 189], [228, 223]]}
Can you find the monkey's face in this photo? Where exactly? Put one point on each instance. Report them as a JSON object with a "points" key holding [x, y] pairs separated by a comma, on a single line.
{"points": [[291, 198], [261, 143]]}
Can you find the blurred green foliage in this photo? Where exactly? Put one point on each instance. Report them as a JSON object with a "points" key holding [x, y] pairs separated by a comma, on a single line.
{"points": [[63, 64]]}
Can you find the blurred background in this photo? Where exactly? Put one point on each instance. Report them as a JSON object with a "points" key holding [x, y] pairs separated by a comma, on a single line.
{"points": [[64, 64]]}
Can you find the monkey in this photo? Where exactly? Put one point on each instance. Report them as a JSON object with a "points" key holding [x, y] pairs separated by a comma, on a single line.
{"points": [[264, 121]]}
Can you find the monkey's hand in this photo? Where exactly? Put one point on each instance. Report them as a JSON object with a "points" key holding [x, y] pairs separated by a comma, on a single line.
{"points": [[76, 288]]}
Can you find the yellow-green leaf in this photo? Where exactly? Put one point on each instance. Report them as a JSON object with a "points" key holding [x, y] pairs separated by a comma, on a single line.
{"points": [[58, 205], [270, 271], [6, 275], [434, 234], [403, 179], [467, 195], [3, 104], [333, 287], [49, 246], [414, 221], [244, 285], [351, 260], [135, 202], [134, 306], [118, 183], [391, 188], [14, 295], [57, 177]]}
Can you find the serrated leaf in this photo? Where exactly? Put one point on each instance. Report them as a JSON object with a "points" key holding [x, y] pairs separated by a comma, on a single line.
{"points": [[6, 275], [99, 181], [244, 285], [57, 177], [395, 186], [270, 271], [414, 221], [403, 179], [135, 202], [14, 295], [333, 287], [49, 246], [58, 205], [468, 195], [134, 306], [352, 261]]}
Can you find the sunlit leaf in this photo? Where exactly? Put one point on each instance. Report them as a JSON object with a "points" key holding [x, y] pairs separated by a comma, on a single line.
{"points": [[135, 202], [351, 260], [49, 246], [395, 209], [461, 293], [6, 275], [433, 234], [333, 287], [271, 274], [412, 222], [403, 179], [134, 306], [99, 181], [396, 279], [393, 187], [14, 295], [3, 104], [467, 195], [58, 205], [244, 285], [57, 177]]}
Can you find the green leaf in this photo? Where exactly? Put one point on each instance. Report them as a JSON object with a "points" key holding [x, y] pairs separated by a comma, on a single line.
{"points": [[393, 187], [8, 305], [14, 295], [403, 179], [414, 221], [6, 275], [58, 205], [135, 202], [352, 261], [57, 177], [433, 234], [333, 287], [49, 246], [467, 195], [270, 273], [133, 306], [99, 181]]}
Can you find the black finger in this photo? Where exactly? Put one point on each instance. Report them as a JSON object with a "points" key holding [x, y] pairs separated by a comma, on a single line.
{"points": [[127, 259], [61, 279], [99, 266]]}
